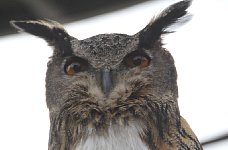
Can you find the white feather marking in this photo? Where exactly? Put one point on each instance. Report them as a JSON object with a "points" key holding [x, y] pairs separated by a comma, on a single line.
{"points": [[118, 138]]}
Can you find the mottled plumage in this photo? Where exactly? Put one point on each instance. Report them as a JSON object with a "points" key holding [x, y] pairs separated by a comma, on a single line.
{"points": [[114, 91]]}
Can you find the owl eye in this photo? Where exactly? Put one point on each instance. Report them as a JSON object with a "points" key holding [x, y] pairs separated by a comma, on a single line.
{"points": [[74, 66], [140, 60]]}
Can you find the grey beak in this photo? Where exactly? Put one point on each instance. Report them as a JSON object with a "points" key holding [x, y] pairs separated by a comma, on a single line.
{"points": [[106, 79]]}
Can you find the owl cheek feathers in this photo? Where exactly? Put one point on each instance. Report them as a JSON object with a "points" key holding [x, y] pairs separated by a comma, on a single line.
{"points": [[55, 34]]}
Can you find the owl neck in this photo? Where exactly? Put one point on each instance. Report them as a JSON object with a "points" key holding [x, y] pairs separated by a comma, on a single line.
{"points": [[114, 137], [133, 135]]}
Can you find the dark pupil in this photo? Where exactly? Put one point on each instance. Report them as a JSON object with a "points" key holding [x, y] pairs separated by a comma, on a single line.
{"points": [[137, 60], [77, 67]]}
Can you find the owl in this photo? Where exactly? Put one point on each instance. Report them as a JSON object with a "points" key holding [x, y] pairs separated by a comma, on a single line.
{"points": [[114, 91]]}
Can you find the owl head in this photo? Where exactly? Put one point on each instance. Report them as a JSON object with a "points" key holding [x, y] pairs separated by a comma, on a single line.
{"points": [[114, 78]]}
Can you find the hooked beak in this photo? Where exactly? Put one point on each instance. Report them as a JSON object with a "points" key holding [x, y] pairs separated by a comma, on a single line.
{"points": [[106, 80]]}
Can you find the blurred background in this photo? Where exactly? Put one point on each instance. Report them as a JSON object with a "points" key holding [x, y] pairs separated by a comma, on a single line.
{"points": [[199, 48]]}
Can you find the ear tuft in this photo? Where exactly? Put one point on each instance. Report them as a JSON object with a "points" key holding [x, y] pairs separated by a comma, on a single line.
{"points": [[46, 29], [16, 25], [52, 31], [153, 31]]}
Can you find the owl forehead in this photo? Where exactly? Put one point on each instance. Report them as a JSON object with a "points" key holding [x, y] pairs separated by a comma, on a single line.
{"points": [[105, 49]]}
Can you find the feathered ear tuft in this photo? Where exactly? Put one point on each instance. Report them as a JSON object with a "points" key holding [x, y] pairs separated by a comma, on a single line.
{"points": [[153, 31], [52, 31]]}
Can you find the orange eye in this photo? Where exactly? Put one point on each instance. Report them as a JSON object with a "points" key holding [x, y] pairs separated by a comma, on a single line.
{"points": [[74, 66], [138, 60]]}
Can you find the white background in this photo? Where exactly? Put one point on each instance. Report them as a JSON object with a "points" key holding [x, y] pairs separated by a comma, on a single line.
{"points": [[199, 49]]}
